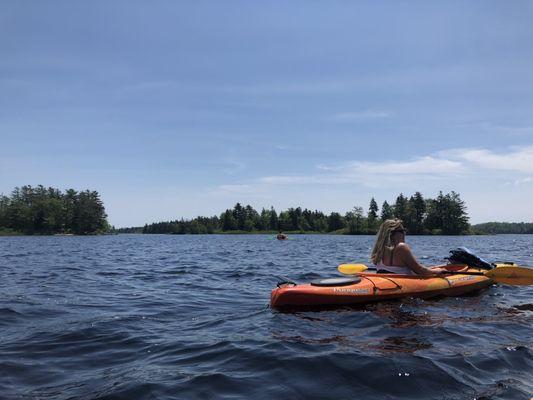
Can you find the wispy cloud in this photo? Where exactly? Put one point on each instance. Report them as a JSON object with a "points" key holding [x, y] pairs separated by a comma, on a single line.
{"points": [[516, 159], [427, 165], [360, 115], [519, 182], [445, 165]]}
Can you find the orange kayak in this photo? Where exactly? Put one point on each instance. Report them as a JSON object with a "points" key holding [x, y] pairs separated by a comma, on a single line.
{"points": [[368, 287]]}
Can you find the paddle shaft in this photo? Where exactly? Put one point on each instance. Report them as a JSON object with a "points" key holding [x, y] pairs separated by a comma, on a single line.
{"points": [[508, 274], [446, 273], [465, 273]]}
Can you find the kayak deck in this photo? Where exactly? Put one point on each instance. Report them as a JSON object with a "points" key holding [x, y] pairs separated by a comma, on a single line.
{"points": [[378, 287]]}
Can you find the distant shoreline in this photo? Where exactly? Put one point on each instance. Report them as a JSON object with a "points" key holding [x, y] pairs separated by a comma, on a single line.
{"points": [[2, 234], [488, 228], [485, 228], [49, 211]]}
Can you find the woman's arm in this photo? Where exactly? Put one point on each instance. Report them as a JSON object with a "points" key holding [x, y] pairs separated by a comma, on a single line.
{"points": [[405, 255]]}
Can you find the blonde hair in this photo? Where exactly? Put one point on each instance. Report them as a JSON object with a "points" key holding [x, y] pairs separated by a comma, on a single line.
{"points": [[383, 240]]}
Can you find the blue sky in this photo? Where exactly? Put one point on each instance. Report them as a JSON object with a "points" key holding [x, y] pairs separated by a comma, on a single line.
{"points": [[177, 109]]}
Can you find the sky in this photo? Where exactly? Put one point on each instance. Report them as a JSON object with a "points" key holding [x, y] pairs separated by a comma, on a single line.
{"points": [[174, 109]]}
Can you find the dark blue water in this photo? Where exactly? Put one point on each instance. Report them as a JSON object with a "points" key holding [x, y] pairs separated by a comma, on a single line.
{"points": [[187, 317]]}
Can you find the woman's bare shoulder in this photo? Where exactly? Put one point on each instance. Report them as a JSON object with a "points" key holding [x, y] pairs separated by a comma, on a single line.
{"points": [[403, 248]]}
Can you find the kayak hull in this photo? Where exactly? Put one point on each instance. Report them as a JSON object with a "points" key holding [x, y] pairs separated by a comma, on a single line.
{"points": [[377, 287]]}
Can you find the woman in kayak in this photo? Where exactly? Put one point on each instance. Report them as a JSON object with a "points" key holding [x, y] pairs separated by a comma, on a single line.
{"points": [[392, 255]]}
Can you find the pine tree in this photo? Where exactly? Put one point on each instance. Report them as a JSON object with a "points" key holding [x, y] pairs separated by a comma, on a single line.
{"points": [[228, 221], [239, 215], [417, 212], [355, 220], [372, 215], [400, 207], [386, 211], [274, 224], [335, 222]]}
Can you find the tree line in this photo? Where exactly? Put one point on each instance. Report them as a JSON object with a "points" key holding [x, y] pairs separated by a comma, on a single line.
{"points": [[492, 228], [40, 210], [446, 214], [45, 211]]}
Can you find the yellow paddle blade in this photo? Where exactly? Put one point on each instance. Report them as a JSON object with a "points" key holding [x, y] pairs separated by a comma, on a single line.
{"points": [[511, 275], [350, 269]]}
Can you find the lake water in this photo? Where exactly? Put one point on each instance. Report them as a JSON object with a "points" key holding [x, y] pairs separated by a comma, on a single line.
{"points": [[187, 317]]}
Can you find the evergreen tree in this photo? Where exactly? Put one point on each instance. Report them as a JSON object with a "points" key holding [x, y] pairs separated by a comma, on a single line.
{"points": [[433, 221], [69, 207], [90, 213], [416, 211], [319, 222], [373, 209], [228, 221], [284, 221], [303, 224], [295, 215], [310, 219], [4, 206], [455, 219], [447, 214], [400, 207], [240, 216], [19, 216], [264, 224], [252, 219], [372, 215], [335, 222], [355, 221], [274, 224], [386, 211]]}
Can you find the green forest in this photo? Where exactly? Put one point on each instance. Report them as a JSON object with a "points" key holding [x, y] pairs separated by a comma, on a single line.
{"points": [[446, 214], [47, 211], [493, 228]]}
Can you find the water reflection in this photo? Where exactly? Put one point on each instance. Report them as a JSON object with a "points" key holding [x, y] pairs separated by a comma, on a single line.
{"points": [[391, 344], [335, 339], [400, 344], [400, 316]]}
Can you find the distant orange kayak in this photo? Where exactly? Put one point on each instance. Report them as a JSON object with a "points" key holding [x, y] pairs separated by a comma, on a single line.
{"points": [[368, 287]]}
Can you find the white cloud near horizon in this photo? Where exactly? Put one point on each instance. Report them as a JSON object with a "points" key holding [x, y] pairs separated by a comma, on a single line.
{"points": [[519, 182], [464, 163], [494, 184], [517, 159]]}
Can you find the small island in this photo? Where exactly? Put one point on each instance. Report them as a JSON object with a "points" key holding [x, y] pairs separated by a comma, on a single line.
{"points": [[48, 211]]}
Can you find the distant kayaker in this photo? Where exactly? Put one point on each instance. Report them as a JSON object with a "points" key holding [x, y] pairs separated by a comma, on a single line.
{"points": [[392, 255], [281, 236]]}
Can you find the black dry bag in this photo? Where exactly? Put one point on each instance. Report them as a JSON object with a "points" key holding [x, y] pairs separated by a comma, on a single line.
{"points": [[462, 255]]}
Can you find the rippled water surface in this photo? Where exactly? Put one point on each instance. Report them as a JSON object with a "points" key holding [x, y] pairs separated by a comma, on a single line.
{"points": [[187, 317]]}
